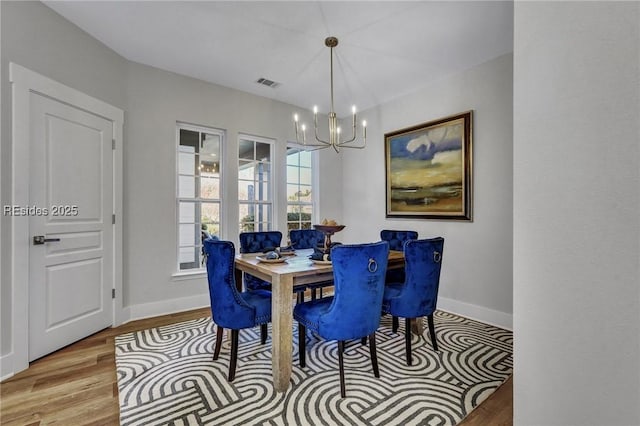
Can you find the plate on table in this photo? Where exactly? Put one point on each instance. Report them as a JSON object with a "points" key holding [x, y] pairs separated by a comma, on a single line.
{"points": [[265, 260], [287, 253], [321, 262]]}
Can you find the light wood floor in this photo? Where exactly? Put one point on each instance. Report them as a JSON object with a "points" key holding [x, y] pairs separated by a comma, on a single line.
{"points": [[77, 384]]}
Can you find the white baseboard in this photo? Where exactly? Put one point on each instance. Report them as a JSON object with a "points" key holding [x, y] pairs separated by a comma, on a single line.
{"points": [[6, 366], [165, 307], [479, 313]]}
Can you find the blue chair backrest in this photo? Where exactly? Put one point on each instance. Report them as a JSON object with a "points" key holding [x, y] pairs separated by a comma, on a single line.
{"points": [[255, 242], [358, 273], [305, 238], [397, 238], [423, 261], [228, 308]]}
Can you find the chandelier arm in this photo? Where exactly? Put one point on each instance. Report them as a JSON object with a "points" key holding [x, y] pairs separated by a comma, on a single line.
{"points": [[323, 144], [354, 147]]}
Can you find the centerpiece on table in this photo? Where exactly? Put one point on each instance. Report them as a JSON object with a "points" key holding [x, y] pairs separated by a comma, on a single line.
{"points": [[328, 228]]}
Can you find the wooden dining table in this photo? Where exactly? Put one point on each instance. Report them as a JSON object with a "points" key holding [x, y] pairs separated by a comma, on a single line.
{"points": [[295, 271]]}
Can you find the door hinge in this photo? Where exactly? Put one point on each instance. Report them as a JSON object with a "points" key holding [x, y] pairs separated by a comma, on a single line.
{"points": [[113, 144], [113, 293], [113, 219]]}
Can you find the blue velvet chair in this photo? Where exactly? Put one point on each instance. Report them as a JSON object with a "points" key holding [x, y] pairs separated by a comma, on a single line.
{"points": [[230, 308], [396, 239], [306, 239], [353, 312], [257, 242], [418, 294]]}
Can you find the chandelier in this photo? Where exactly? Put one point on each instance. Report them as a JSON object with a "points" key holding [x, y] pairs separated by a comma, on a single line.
{"points": [[335, 132]]}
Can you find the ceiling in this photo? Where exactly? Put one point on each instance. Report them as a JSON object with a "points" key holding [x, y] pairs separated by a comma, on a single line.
{"points": [[386, 49]]}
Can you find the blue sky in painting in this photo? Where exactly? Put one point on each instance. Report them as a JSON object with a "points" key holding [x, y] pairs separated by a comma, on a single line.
{"points": [[425, 151]]}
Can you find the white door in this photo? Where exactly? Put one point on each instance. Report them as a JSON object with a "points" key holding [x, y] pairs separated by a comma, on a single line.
{"points": [[71, 248]]}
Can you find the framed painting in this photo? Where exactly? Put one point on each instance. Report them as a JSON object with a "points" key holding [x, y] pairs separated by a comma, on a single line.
{"points": [[429, 169]]}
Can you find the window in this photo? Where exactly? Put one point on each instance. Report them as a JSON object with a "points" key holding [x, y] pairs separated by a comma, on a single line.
{"points": [[299, 189], [199, 199], [255, 184]]}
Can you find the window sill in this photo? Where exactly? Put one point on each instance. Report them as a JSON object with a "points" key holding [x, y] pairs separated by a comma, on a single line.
{"points": [[189, 275]]}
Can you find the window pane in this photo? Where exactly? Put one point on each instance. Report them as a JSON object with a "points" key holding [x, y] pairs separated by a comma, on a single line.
{"points": [[246, 170], [246, 190], [305, 176], [188, 257], [263, 213], [245, 150], [305, 159], [189, 138], [210, 145], [187, 212], [292, 192], [209, 167], [188, 233], [263, 151], [210, 213], [209, 188], [305, 193], [212, 228], [186, 164], [186, 187], [293, 158], [292, 174]]}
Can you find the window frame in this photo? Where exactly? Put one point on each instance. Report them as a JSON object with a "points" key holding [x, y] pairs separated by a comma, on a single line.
{"points": [[198, 200], [271, 202], [314, 185]]}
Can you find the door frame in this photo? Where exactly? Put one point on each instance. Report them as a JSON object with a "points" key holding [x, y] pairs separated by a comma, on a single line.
{"points": [[23, 83]]}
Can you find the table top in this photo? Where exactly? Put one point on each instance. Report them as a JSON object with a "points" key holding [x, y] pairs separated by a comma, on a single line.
{"points": [[296, 265]]}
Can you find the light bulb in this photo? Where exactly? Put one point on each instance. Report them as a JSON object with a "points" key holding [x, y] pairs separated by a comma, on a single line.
{"points": [[364, 123], [295, 117], [315, 109], [353, 109]]}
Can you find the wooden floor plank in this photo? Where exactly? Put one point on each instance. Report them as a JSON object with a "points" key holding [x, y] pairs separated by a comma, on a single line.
{"points": [[77, 385]]}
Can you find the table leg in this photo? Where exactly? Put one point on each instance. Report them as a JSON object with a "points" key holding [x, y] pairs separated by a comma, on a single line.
{"points": [[282, 339], [417, 326]]}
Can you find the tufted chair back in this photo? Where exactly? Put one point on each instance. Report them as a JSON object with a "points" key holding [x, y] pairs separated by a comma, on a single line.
{"points": [[358, 275], [419, 294], [255, 242], [305, 238], [396, 239], [228, 308]]}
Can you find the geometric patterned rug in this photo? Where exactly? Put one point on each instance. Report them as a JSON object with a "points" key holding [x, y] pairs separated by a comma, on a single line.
{"points": [[166, 376]]}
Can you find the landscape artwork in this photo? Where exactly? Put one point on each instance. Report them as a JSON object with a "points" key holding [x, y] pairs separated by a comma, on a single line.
{"points": [[429, 169]]}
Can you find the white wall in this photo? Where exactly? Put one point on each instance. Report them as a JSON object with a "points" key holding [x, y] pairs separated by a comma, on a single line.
{"points": [[37, 38], [577, 213], [156, 100], [153, 100], [476, 277]]}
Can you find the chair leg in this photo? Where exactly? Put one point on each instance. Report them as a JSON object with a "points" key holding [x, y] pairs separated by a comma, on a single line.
{"points": [[302, 337], [374, 354], [343, 392], [394, 324], [234, 355], [407, 339], [320, 292], [263, 333], [219, 333], [313, 294], [432, 332], [363, 341]]}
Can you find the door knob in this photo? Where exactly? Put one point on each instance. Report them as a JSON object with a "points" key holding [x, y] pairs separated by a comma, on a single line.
{"points": [[40, 239]]}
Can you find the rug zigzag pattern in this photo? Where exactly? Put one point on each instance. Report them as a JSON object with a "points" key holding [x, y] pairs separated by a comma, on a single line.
{"points": [[167, 376]]}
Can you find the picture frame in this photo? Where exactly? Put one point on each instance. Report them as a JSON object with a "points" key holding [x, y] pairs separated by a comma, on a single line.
{"points": [[429, 169]]}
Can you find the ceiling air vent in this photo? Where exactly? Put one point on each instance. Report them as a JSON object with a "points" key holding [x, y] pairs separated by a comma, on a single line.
{"points": [[267, 82]]}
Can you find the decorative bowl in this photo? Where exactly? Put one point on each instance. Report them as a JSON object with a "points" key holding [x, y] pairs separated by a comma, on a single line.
{"points": [[329, 229]]}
